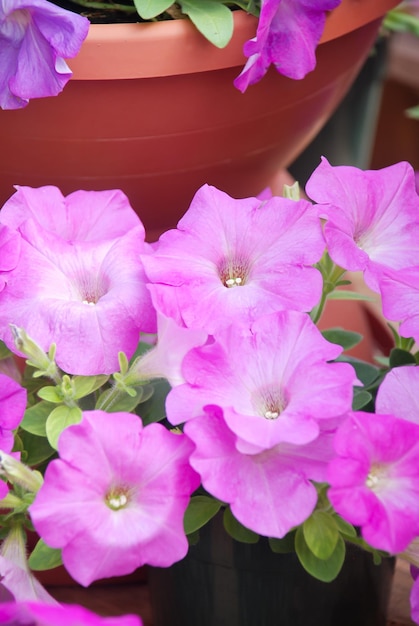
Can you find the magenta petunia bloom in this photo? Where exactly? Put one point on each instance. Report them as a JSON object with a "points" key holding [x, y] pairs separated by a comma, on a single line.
{"points": [[9, 252], [398, 393], [259, 375], [287, 36], [35, 38], [80, 216], [116, 497], [375, 478], [12, 408], [41, 614], [372, 217], [236, 259], [270, 492], [90, 298], [400, 299]]}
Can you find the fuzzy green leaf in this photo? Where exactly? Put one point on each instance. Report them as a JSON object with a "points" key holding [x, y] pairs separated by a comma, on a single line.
{"points": [[200, 510], [284, 545], [322, 569], [35, 418], [43, 557], [344, 527], [61, 417], [148, 9], [213, 20], [154, 408], [321, 534], [237, 530], [36, 449], [400, 357], [361, 398], [345, 338], [85, 385], [51, 394]]}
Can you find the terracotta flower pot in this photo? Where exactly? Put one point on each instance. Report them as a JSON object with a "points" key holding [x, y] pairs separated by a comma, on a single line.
{"points": [[151, 109]]}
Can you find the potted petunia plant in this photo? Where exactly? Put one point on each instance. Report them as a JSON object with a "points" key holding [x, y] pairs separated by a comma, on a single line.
{"points": [[170, 385]]}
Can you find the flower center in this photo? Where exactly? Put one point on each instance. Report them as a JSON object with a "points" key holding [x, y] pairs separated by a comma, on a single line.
{"points": [[118, 498], [233, 272], [375, 476], [270, 402], [91, 288]]}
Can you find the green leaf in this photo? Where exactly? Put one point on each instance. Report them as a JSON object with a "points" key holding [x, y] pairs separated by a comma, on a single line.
{"points": [[154, 408], [368, 374], [61, 417], [85, 385], [213, 20], [237, 530], [344, 527], [284, 545], [35, 418], [43, 557], [200, 510], [400, 357], [322, 569], [345, 338], [361, 398], [36, 449], [51, 394], [321, 534], [148, 9], [124, 401]]}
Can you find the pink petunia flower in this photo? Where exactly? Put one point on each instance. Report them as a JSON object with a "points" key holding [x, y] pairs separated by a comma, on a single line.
{"points": [[375, 478], [400, 299], [89, 298], [372, 217], [80, 216], [270, 492], [12, 408], [35, 38], [116, 497], [287, 36], [9, 252], [40, 614], [398, 393], [259, 375], [236, 259]]}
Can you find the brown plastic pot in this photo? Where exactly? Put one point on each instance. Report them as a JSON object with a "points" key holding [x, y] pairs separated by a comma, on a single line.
{"points": [[151, 109]]}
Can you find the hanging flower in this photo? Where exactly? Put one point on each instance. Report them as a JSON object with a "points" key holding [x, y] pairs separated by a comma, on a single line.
{"points": [[41, 614], [257, 485], [89, 298], [372, 217], [80, 216], [287, 36], [259, 375], [236, 259], [116, 497], [35, 38], [375, 478]]}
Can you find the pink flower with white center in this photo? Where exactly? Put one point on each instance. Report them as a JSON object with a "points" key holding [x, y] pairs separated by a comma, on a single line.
{"points": [[398, 393], [116, 497], [259, 376], [35, 38], [12, 408], [400, 299], [269, 492], [372, 217], [236, 259], [40, 614], [80, 216], [165, 359], [90, 298], [374, 479], [287, 36]]}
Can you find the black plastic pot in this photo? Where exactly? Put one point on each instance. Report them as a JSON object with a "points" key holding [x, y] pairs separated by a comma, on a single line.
{"points": [[225, 583]]}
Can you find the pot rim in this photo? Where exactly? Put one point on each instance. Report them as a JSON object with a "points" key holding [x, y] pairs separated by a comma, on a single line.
{"points": [[112, 51]]}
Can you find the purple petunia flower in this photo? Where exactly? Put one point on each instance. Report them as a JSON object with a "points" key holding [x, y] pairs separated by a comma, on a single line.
{"points": [[287, 36], [236, 259], [270, 492], [372, 217], [375, 478], [35, 38], [116, 497], [80, 216], [259, 375], [89, 297], [41, 614]]}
